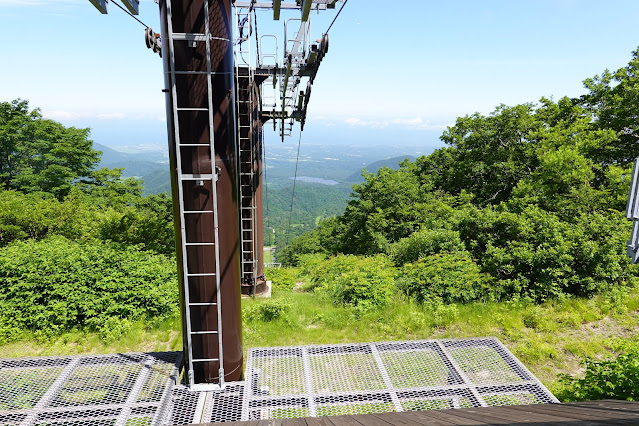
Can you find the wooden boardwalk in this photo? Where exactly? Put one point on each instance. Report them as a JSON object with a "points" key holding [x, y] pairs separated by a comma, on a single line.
{"points": [[590, 413]]}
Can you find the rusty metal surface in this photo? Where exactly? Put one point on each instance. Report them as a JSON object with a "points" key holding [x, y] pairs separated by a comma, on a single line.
{"points": [[252, 193], [194, 129]]}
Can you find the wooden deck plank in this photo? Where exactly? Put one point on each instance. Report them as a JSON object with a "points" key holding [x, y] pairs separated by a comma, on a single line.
{"points": [[588, 413], [448, 417], [423, 418], [396, 419], [546, 416], [629, 406], [516, 414], [581, 413], [372, 420], [319, 421]]}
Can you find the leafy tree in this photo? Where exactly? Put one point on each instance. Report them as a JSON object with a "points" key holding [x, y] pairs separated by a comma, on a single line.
{"points": [[491, 153], [612, 99], [40, 155], [106, 188]]}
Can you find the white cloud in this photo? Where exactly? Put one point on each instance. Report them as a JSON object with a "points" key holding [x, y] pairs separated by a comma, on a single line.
{"points": [[111, 116], [62, 115], [415, 123]]}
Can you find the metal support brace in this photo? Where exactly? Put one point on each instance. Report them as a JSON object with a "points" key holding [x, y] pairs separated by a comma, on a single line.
{"points": [[461, 374], [387, 380], [308, 381], [53, 391], [135, 392]]}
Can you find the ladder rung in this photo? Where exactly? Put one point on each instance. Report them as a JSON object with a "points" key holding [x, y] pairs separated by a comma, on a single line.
{"points": [[192, 109], [205, 360], [195, 144], [197, 177], [199, 244], [202, 274], [202, 304], [189, 36], [204, 332], [197, 211], [191, 72]]}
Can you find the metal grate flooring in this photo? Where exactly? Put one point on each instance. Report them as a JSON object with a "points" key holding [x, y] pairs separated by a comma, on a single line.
{"points": [[281, 382], [328, 380], [119, 389]]}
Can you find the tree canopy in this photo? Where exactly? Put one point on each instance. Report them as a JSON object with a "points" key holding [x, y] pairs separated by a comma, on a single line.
{"points": [[533, 193], [40, 155]]}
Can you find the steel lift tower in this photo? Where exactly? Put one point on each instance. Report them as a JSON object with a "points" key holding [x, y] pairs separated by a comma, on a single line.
{"points": [[216, 73]]}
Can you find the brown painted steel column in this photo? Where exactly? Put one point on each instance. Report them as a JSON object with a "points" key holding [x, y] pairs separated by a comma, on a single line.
{"points": [[192, 92]]}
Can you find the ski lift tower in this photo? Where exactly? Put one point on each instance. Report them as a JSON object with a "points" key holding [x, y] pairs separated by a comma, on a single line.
{"points": [[216, 73], [273, 82]]}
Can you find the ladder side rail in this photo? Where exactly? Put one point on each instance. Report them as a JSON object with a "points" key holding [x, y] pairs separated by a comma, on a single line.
{"points": [[207, 32], [180, 190], [237, 53], [254, 166]]}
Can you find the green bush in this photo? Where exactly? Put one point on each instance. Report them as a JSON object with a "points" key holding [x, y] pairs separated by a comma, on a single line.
{"points": [[451, 277], [424, 243], [365, 282], [281, 278], [612, 378], [537, 256], [55, 285], [267, 310], [24, 216]]}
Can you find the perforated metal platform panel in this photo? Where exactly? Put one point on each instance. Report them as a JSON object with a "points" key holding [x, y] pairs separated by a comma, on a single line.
{"points": [[308, 381], [281, 382], [119, 389]]}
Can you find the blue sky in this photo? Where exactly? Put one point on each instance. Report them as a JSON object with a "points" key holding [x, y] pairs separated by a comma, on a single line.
{"points": [[396, 72]]}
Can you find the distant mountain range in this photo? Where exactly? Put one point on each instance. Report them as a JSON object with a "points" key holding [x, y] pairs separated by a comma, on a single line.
{"points": [[391, 163], [152, 167]]}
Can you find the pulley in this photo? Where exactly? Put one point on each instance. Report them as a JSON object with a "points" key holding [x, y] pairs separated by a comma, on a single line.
{"points": [[152, 40]]}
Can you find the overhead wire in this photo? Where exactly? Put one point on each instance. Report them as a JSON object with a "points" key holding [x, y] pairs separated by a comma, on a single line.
{"points": [[129, 13], [335, 19], [290, 215]]}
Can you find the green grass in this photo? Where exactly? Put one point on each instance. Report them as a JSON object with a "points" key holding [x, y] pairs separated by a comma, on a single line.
{"points": [[268, 254], [549, 339]]}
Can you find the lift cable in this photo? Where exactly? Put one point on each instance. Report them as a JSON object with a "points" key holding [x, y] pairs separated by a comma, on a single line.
{"points": [[335, 19], [257, 41], [290, 215], [129, 13]]}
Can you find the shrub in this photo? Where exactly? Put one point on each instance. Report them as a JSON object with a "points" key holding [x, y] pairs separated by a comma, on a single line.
{"points": [[282, 278], [268, 310], [451, 277], [24, 216], [537, 256], [612, 378], [55, 285], [366, 282], [425, 243]]}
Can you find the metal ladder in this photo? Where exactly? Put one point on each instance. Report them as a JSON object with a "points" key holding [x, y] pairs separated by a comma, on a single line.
{"points": [[200, 180], [246, 146]]}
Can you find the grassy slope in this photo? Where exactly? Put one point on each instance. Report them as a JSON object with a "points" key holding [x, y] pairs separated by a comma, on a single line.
{"points": [[549, 339]]}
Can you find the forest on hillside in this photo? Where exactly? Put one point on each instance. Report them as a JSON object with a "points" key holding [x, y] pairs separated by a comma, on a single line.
{"points": [[520, 217]]}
